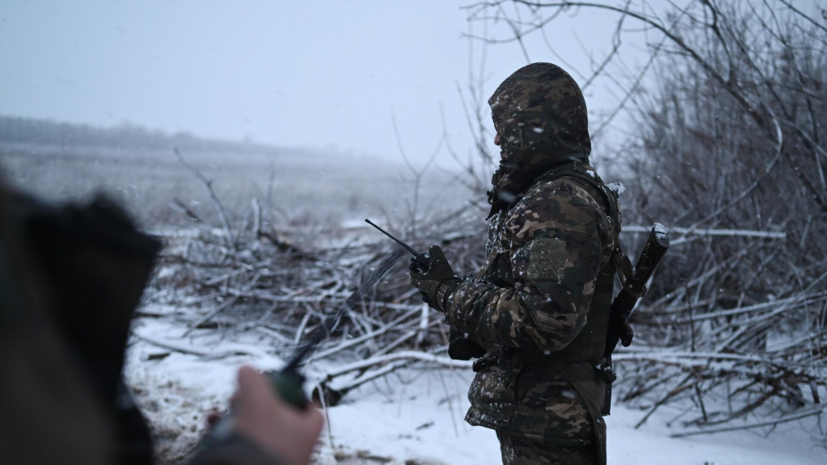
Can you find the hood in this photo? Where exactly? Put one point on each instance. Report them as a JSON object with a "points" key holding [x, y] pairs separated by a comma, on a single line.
{"points": [[540, 115]]}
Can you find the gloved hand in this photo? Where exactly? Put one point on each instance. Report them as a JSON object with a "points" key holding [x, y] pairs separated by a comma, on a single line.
{"points": [[437, 282], [626, 332], [461, 347]]}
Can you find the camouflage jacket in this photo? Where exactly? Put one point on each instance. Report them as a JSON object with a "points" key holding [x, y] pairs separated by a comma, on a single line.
{"points": [[556, 240], [548, 243]]}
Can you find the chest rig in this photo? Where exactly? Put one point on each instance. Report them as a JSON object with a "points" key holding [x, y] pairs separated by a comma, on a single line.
{"points": [[589, 345]]}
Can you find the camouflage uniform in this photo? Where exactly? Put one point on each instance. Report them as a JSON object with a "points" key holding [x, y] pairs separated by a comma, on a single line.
{"points": [[540, 305]]}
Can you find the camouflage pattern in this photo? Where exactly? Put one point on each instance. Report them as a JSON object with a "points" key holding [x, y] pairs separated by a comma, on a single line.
{"points": [[536, 314], [534, 401], [548, 243], [540, 114], [540, 312], [518, 450]]}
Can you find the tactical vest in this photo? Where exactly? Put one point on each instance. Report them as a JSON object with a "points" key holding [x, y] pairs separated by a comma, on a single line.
{"points": [[590, 344]]}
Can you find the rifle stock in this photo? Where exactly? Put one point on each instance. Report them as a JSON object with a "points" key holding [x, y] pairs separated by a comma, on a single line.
{"points": [[634, 289]]}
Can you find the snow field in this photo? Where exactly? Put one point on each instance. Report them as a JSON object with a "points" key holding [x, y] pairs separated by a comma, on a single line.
{"points": [[413, 416]]}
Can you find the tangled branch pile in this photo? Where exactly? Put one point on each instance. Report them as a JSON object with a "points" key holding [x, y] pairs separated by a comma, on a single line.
{"points": [[258, 280]]}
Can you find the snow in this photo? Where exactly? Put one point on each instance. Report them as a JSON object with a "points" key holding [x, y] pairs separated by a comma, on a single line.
{"points": [[710, 232], [384, 419], [413, 414], [617, 187]]}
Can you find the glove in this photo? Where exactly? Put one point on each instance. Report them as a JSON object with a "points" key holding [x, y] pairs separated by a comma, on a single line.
{"points": [[460, 347], [626, 332], [437, 282]]}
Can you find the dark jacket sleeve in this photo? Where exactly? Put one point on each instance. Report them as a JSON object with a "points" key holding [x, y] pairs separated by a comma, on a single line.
{"points": [[559, 240]]}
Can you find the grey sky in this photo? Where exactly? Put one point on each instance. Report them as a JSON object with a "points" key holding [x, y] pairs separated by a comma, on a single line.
{"points": [[319, 74]]}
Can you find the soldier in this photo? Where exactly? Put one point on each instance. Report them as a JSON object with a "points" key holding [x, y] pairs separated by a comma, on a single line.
{"points": [[539, 308]]}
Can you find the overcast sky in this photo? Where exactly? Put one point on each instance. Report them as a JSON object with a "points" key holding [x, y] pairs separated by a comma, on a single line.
{"points": [[318, 74]]}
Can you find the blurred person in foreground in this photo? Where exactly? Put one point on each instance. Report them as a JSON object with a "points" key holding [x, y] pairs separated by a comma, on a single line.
{"points": [[537, 312], [70, 279]]}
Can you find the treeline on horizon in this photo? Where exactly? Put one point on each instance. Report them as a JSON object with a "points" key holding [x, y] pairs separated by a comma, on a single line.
{"points": [[15, 129]]}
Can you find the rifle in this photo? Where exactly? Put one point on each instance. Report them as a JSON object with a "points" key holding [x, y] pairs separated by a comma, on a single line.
{"points": [[634, 288], [421, 260], [289, 381]]}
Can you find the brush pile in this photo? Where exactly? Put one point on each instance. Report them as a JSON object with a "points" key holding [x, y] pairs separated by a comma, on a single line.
{"points": [[720, 356], [714, 361], [262, 281]]}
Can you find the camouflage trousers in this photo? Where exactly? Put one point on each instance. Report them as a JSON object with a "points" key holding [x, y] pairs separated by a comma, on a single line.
{"points": [[520, 450]]}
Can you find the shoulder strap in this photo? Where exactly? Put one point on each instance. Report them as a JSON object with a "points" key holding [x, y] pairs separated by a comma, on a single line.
{"points": [[623, 265], [575, 170]]}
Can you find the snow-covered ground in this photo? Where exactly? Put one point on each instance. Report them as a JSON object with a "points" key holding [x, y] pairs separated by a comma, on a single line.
{"points": [[413, 416]]}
